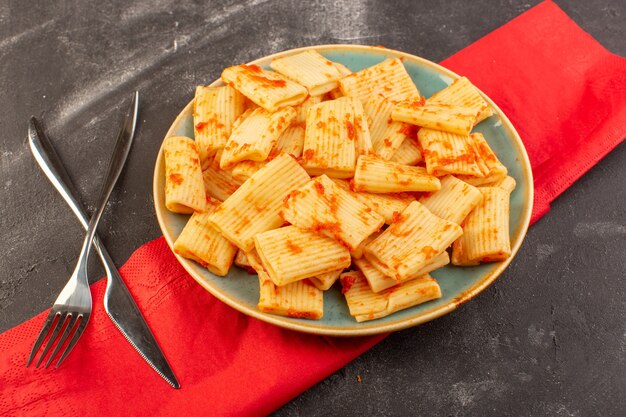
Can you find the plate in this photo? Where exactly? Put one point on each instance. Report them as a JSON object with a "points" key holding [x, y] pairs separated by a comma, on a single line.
{"points": [[240, 290]]}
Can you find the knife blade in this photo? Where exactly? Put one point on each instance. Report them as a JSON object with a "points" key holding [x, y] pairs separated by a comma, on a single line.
{"points": [[118, 302]]}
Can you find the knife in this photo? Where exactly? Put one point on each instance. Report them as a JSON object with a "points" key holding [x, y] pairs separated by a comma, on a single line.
{"points": [[118, 303]]}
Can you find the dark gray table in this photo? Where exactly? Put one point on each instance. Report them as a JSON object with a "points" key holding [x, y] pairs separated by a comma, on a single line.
{"points": [[547, 339]]}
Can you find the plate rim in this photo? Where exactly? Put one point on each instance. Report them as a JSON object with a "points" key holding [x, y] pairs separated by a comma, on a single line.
{"points": [[372, 328]]}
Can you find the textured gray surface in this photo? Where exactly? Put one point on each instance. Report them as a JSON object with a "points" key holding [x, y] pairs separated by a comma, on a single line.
{"points": [[547, 339]]}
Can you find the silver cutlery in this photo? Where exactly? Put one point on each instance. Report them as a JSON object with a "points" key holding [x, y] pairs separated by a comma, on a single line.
{"points": [[71, 310], [118, 301]]}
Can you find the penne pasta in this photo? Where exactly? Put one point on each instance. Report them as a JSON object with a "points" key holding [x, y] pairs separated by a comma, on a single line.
{"points": [[386, 135], [254, 207], [331, 141], [387, 205], [454, 201], [310, 69], [412, 242], [291, 141], [291, 254], [268, 89], [388, 78], [375, 175], [444, 117], [202, 243], [218, 183], [463, 93], [366, 305], [215, 109], [323, 207], [409, 152], [448, 153], [184, 189], [299, 299], [492, 169], [255, 137], [378, 281], [241, 260], [486, 229], [325, 281]]}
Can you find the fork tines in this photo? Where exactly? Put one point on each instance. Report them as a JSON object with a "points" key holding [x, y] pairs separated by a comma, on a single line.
{"points": [[59, 326]]}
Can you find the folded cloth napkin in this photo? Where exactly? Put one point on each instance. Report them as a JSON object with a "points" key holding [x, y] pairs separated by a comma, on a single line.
{"points": [[562, 90]]}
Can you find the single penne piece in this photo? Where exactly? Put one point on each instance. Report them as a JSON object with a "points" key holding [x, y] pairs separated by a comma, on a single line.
{"points": [[445, 117], [411, 243], [448, 153], [255, 137], [267, 89], [463, 93], [202, 243], [453, 201], [486, 229], [324, 208], [218, 183], [343, 70], [245, 169], [325, 281], [384, 204], [375, 175], [386, 135], [254, 207], [366, 305], [388, 78], [215, 109], [310, 69], [184, 189], [492, 169], [379, 281], [329, 141], [409, 152], [303, 108], [299, 299], [290, 254]]}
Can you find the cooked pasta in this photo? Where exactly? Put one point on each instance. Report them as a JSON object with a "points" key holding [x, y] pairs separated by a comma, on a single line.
{"points": [[323, 207], [462, 93], [378, 281], [448, 153], [184, 189], [256, 136], [375, 175], [445, 117], [379, 153], [310, 69], [254, 207], [486, 229], [387, 135], [410, 243], [290, 254], [387, 205], [366, 305], [388, 78], [267, 89], [215, 109], [201, 242], [454, 201]]}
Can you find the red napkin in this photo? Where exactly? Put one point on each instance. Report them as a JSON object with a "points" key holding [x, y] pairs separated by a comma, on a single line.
{"points": [[565, 94]]}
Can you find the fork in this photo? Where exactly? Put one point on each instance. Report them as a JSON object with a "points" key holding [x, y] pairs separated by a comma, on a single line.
{"points": [[71, 310]]}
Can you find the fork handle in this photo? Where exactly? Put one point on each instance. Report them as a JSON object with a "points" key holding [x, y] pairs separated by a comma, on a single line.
{"points": [[52, 166]]}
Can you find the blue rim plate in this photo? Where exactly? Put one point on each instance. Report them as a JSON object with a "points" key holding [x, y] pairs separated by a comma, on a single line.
{"points": [[240, 289]]}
